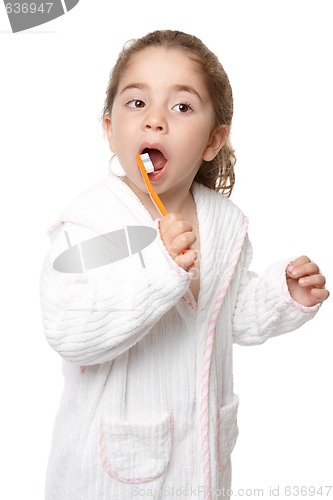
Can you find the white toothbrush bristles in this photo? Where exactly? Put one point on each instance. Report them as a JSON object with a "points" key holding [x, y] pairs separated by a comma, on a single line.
{"points": [[147, 163]]}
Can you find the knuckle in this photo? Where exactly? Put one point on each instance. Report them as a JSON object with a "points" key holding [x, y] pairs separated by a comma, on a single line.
{"points": [[182, 225], [173, 250], [179, 225], [183, 239], [172, 216]]}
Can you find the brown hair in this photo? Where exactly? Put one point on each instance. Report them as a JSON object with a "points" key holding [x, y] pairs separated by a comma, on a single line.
{"points": [[217, 174]]}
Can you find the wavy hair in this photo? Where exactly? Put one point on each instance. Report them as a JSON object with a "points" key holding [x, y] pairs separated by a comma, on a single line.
{"points": [[217, 174]]}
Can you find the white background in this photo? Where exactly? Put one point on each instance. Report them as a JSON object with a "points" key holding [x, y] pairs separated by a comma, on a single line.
{"points": [[278, 55]]}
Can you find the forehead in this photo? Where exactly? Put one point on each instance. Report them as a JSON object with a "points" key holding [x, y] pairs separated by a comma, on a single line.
{"points": [[158, 63]]}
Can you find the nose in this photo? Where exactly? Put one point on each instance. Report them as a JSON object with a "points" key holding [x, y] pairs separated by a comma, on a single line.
{"points": [[155, 120]]}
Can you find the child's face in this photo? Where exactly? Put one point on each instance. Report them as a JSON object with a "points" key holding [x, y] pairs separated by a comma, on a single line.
{"points": [[162, 104]]}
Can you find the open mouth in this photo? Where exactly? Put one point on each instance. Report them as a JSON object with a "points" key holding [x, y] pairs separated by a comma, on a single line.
{"points": [[157, 158]]}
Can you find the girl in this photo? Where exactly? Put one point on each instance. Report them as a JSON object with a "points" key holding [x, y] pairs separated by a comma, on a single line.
{"points": [[148, 407]]}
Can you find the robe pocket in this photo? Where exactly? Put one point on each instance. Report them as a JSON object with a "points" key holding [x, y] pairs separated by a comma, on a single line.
{"points": [[136, 452], [227, 431]]}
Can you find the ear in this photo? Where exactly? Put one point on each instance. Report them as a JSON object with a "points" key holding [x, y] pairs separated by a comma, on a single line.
{"points": [[217, 140], [108, 131]]}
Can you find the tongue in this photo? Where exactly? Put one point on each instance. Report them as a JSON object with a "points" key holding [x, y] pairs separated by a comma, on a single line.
{"points": [[157, 158]]}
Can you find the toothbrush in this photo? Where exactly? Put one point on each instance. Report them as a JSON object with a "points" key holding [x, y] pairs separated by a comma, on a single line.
{"points": [[146, 167]]}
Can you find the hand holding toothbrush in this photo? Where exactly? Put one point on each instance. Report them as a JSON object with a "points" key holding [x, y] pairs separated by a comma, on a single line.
{"points": [[177, 236], [179, 239]]}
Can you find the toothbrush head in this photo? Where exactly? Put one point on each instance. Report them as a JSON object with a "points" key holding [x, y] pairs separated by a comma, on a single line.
{"points": [[147, 163]]}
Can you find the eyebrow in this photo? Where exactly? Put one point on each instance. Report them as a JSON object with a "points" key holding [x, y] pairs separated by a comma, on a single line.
{"points": [[133, 86], [189, 89], [176, 88]]}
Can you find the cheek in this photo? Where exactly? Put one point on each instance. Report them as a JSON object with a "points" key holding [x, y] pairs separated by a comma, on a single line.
{"points": [[117, 126], [115, 138]]}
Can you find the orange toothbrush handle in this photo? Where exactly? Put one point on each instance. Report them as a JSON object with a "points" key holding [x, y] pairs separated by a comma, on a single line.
{"points": [[154, 196]]}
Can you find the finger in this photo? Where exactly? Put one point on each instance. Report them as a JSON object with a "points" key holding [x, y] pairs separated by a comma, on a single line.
{"points": [[182, 241], [316, 280], [300, 261], [185, 260], [175, 226], [320, 294], [303, 270]]}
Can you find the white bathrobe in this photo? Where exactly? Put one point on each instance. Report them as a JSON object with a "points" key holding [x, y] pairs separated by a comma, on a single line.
{"points": [[148, 408]]}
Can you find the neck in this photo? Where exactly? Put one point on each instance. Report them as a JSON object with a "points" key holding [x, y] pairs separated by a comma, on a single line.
{"points": [[178, 200]]}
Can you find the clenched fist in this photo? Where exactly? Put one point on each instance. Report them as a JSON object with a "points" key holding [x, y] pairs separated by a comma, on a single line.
{"points": [[177, 236]]}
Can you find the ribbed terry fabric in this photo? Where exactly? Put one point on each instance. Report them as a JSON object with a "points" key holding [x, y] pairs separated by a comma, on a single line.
{"points": [[148, 407]]}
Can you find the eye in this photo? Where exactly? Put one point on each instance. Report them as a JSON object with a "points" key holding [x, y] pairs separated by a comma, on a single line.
{"points": [[183, 107], [136, 103]]}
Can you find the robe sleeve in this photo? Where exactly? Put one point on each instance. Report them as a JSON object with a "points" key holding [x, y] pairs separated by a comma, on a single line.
{"points": [[94, 316], [264, 308]]}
